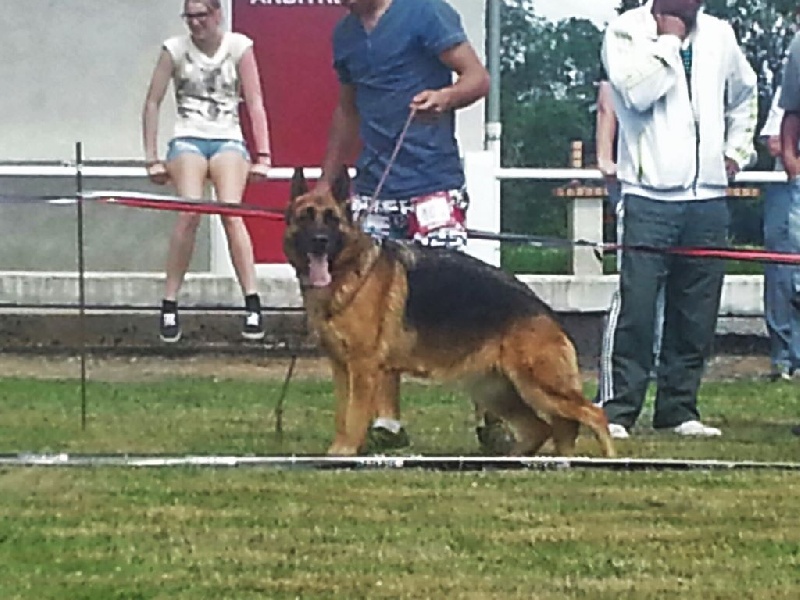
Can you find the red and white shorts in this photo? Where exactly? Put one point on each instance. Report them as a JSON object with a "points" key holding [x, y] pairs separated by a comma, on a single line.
{"points": [[437, 219]]}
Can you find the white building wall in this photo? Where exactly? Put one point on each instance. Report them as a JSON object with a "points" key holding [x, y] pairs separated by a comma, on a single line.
{"points": [[77, 71]]}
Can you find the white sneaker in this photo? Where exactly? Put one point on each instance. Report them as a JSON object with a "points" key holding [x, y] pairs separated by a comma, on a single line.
{"points": [[618, 432], [696, 429]]}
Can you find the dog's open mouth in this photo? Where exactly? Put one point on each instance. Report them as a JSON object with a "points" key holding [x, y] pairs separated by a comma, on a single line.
{"points": [[319, 274]]}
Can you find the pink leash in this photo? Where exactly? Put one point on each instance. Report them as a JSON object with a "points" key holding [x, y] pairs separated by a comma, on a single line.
{"points": [[391, 162]]}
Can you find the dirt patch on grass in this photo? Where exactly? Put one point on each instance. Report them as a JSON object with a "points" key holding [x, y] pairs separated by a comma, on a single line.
{"points": [[153, 368]]}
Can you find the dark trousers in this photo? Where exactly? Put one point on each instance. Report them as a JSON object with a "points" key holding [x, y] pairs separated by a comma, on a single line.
{"points": [[692, 295]]}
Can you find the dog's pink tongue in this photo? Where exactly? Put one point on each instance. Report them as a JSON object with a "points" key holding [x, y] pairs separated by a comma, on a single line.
{"points": [[318, 273]]}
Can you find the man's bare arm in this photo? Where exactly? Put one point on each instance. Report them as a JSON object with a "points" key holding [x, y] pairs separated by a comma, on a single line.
{"points": [[472, 82], [343, 139], [606, 131]]}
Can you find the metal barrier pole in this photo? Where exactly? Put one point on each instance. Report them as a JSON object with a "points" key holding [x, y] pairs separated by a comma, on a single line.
{"points": [[81, 277]]}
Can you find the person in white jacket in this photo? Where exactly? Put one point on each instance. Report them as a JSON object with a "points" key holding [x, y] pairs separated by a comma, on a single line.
{"points": [[686, 102]]}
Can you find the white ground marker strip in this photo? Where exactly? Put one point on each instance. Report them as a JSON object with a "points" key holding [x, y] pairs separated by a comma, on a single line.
{"points": [[430, 463]]}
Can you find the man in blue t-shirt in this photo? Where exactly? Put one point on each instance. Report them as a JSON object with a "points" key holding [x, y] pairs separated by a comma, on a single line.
{"points": [[395, 58]]}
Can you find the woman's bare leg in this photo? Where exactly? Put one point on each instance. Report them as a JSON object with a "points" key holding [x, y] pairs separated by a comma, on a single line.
{"points": [[188, 172]]}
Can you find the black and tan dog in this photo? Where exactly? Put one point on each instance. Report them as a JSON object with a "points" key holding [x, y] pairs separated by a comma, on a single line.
{"points": [[381, 310]]}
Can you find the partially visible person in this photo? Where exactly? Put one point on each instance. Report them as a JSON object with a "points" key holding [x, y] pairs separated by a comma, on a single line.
{"points": [[393, 57], [781, 281], [606, 139], [606, 151], [790, 138], [211, 71], [686, 104]]}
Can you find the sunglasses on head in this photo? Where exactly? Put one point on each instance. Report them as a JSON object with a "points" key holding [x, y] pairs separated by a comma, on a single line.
{"points": [[195, 15]]}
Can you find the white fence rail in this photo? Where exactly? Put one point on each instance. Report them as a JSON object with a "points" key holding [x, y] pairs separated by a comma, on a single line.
{"points": [[123, 169], [585, 211], [586, 289]]}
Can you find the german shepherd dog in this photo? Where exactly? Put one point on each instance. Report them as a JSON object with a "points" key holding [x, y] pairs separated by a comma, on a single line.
{"points": [[383, 309]]}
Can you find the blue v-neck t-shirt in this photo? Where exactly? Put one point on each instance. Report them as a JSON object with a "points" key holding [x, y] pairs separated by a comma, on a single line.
{"points": [[388, 66]]}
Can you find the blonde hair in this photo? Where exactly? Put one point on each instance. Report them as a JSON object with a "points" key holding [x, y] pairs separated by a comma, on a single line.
{"points": [[210, 4]]}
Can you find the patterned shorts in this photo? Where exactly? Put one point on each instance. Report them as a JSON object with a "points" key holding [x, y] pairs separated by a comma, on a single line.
{"points": [[436, 219]]}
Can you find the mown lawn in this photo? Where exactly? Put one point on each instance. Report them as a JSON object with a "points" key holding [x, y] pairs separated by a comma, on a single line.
{"points": [[101, 533], [218, 416]]}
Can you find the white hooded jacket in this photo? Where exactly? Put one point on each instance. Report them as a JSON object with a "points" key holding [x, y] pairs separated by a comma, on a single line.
{"points": [[673, 143]]}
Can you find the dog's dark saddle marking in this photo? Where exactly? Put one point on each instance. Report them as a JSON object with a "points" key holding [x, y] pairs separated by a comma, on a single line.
{"points": [[452, 291]]}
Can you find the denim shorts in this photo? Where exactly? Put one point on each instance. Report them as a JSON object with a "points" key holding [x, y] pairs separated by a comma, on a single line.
{"points": [[207, 148]]}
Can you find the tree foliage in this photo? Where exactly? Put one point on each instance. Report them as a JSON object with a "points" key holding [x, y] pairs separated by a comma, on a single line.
{"points": [[548, 73]]}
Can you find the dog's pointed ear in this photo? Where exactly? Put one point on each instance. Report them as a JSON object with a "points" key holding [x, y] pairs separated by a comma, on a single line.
{"points": [[299, 184], [341, 186]]}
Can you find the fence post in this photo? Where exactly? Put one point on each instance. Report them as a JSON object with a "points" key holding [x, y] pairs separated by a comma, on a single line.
{"points": [[584, 218]]}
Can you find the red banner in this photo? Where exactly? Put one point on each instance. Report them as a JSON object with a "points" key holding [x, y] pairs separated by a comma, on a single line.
{"points": [[292, 43]]}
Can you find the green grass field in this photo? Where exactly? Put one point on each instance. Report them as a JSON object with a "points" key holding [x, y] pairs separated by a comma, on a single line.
{"points": [[102, 533]]}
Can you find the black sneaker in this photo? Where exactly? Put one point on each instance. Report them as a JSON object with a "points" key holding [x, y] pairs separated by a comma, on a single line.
{"points": [[796, 430], [253, 328], [169, 326]]}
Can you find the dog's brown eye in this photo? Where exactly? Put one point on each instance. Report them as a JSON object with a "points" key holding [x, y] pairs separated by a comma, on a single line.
{"points": [[330, 218], [307, 215]]}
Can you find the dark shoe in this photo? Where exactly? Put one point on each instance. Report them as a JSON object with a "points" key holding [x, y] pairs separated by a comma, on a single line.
{"points": [[796, 430], [253, 328], [380, 439], [495, 439], [779, 373], [169, 325]]}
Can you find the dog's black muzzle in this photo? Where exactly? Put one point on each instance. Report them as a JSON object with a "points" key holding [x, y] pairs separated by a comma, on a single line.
{"points": [[319, 244]]}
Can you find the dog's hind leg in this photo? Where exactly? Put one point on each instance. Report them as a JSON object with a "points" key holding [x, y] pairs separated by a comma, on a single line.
{"points": [[498, 397], [568, 405], [595, 419], [540, 361], [565, 433], [530, 431]]}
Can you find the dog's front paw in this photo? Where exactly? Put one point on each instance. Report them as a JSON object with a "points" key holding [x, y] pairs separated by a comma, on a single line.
{"points": [[342, 449], [380, 440]]}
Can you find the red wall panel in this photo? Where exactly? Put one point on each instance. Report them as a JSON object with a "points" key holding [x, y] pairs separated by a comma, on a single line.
{"points": [[292, 43]]}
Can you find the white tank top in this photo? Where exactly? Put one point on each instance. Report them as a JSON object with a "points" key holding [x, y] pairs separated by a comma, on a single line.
{"points": [[207, 89]]}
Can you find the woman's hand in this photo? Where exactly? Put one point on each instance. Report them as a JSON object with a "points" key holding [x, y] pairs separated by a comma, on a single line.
{"points": [[157, 172], [260, 169]]}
